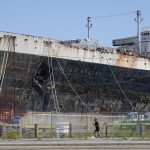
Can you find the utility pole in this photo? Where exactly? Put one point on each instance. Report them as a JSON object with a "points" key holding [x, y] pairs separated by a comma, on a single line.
{"points": [[89, 25], [138, 20]]}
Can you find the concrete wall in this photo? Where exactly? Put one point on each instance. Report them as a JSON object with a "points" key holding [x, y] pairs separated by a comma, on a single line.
{"points": [[75, 119]]}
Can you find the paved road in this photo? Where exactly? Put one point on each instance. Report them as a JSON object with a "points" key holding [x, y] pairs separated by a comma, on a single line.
{"points": [[75, 144]]}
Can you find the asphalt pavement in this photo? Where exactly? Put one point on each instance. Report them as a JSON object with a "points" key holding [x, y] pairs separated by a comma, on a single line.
{"points": [[75, 144]]}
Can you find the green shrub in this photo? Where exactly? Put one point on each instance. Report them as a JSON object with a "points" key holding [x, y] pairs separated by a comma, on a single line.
{"points": [[12, 134]]}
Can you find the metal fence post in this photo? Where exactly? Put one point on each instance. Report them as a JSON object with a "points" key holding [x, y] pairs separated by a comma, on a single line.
{"points": [[87, 124], [4, 131], [70, 130], [122, 128], [51, 125], [36, 130], [106, 129], [140, 130], [20, 131]]}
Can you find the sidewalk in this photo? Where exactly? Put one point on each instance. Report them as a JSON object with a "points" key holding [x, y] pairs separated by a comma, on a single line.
{"points": [[73, 141]]}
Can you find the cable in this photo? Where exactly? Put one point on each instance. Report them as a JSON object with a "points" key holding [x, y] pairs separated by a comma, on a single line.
{"points": [[5, 61], [114, 15], [72, 86], [54, 86], [121, 87], [53, 82], [50, 77]]}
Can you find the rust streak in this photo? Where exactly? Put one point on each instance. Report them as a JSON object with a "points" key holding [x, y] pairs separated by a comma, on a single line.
{"points": [[126, 61]]}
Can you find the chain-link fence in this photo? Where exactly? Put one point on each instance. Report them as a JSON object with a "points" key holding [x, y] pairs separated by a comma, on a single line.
{"points": [[54, 125]]}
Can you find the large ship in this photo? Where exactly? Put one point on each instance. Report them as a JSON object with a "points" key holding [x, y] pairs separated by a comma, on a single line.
{"points": [[42, 74]]}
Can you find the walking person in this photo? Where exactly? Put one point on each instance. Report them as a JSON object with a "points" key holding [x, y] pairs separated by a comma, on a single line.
{"points": [[97, 129]]}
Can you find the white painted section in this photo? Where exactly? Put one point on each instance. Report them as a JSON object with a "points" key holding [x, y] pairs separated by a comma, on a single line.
{"points": [[34, 45]]}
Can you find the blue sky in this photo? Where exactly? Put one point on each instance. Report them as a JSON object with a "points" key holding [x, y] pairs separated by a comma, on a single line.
{"points": [[66, 19]]}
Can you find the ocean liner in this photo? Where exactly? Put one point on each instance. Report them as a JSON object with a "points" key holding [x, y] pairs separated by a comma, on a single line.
{"points": [[42, 74]]}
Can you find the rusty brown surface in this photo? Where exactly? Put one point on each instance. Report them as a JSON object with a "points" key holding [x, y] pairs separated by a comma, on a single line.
{"points": [[126, 61], [6, 115]]}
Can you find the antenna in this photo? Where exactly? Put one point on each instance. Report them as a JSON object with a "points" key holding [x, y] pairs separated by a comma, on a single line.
{"points": [[89, 25], [139, 19]]}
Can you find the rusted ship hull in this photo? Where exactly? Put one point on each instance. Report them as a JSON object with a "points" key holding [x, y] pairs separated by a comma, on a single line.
{"points": [[27, 86], [79, 79]]}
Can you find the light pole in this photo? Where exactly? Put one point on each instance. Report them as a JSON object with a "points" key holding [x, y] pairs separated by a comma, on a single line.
{"points": [[89, 25], [138, 19]]}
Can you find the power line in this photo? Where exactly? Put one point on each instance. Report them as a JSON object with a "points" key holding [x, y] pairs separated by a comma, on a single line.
{"points": [[89, 24], [114, 15]]}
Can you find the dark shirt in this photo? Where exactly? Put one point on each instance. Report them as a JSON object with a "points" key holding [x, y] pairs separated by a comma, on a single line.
{"points": [[96, 126]]}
